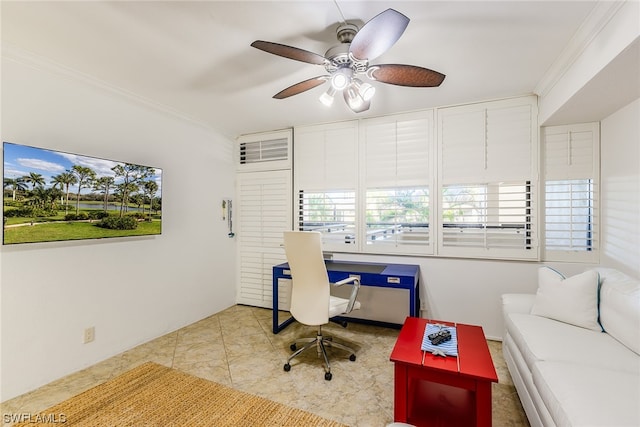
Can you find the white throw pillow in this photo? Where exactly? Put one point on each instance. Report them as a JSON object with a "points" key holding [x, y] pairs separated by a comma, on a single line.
{"points": [[620, 307], [572, 300]]}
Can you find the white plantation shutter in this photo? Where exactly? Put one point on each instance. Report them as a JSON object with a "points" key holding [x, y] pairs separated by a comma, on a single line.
{"points": [[326, 156], [462, 144], [263, 213], [570, 152], [571, 171], [325, 182], [488, 157], [398, 176], [492, 141]]}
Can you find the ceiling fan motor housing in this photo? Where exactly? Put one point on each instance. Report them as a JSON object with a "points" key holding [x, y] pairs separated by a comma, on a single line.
{"points": [[346, 32], [338, 57]]}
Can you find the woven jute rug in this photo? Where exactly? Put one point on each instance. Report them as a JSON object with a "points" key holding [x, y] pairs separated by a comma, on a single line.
{"points": [[154, 395]]}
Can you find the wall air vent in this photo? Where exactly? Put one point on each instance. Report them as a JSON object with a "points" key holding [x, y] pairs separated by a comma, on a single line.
{"points": [[265, 151]]}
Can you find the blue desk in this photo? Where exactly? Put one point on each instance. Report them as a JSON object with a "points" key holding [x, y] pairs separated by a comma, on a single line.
{"points": [[399, 276]]}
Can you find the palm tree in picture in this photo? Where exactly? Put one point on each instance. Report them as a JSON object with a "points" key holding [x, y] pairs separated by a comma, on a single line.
{"points": [[149, 188], [104, 184], [34, 179], [64, 181], [45, 198], [84, 176], [15, 185]]}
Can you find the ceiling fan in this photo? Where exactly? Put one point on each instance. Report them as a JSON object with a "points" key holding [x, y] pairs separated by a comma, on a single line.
{"points": [[349, 60]]}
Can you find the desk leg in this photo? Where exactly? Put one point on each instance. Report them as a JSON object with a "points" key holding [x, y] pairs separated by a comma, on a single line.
{"points": [[400, 393], [275, 326], [483, 404], [274, 311]]}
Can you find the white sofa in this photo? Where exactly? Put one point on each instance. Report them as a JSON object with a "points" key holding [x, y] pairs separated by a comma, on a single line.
{"points": [[568, 375]]}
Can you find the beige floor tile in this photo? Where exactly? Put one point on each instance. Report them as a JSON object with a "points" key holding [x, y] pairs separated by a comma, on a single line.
{"points": [[236, 347]]}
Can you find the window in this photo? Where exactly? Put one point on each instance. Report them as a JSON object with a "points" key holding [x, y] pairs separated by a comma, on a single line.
{"points": [[325, 182], [495, 217], [397, 154], [571, 212], [397, 217], [332, 213], [383, 186], [488, 157]]}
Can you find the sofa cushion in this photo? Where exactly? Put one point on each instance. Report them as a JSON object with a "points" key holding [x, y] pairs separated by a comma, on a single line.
{"points": [[620, 307], [543, 339], [572, 300], [579, 396]]}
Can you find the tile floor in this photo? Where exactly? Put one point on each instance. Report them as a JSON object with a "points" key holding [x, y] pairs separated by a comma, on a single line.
{"points": [[236, 347]]}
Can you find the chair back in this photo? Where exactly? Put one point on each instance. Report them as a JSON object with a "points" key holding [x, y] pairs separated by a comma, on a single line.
{"points": [[311, 289]]}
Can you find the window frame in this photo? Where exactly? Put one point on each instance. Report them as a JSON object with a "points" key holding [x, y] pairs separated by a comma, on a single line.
{"points": [[569, 160]]}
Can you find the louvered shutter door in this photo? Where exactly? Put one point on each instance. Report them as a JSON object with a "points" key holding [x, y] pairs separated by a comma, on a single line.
{"points": [[397, 179], [263, 210], [571, 171]]}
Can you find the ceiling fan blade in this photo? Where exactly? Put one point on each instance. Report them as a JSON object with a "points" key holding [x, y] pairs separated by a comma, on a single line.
{"points": [[289, 52], [405, 75], [300, 87], [378, 35]]}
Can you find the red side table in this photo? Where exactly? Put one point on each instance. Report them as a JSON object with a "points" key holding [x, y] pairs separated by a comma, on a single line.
{"points": [[433, 390]]}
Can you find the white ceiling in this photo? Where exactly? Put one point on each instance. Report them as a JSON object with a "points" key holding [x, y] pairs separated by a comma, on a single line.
{"points": [[194, 57]]}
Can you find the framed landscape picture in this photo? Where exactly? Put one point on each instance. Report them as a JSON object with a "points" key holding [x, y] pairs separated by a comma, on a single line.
{"points": [[54, 196]]}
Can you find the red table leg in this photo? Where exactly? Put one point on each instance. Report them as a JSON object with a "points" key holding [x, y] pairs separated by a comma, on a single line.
{"points": [[483, 404], [400, 394]]}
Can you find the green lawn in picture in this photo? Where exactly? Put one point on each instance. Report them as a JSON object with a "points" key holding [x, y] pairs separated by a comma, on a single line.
{"points": [[75, 230]]}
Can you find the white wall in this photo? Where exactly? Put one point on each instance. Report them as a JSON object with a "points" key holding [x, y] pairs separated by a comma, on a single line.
{"points": [[468, 291], [131, 289], [610, 29], [620, 177]]}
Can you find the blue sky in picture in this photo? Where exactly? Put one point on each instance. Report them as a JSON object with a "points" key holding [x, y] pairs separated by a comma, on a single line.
{"points": [[20, 160]]}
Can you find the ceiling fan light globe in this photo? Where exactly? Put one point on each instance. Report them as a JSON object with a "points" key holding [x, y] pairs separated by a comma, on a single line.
{"points": [[354, 99], [367, 91], [327, 98], [341, 78]]}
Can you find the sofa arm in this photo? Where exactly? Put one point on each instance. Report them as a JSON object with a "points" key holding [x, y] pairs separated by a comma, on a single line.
{"points": [[517, 303]]}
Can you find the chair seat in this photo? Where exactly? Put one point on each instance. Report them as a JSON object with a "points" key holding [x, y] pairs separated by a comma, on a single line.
{"points": [[338, 306]]}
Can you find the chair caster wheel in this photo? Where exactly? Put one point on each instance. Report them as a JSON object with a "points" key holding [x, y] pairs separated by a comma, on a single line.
{"points": [[287, 367], [293, 347], [328, 376], [352, 357]]}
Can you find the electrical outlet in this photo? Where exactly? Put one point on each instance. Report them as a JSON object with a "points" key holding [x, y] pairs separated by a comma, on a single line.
{"points": [[89, 334]]}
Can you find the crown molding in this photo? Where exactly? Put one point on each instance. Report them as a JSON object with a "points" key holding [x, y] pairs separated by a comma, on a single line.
{"points": [[41, 63], [595, 22]]}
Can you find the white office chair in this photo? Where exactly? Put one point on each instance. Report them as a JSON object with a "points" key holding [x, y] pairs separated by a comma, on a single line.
{"points": [[311, 302]]}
